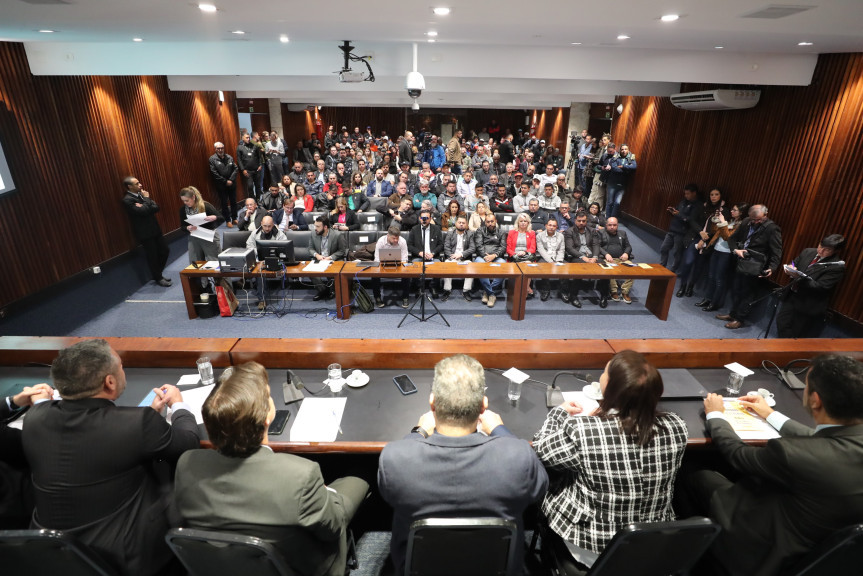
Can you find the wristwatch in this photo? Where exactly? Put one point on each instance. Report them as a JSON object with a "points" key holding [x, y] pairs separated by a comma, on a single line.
{"points": [[419, 430]]}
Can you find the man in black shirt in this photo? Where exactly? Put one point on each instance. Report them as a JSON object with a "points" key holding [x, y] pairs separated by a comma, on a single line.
{"points": [[142, 215]]}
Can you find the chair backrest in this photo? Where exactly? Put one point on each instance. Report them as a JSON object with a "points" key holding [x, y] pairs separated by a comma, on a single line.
{"points": [[835, 555], [506, 218], [359, 238], [537, 226], [302, 240], [212, 553], [48, 552], [311, 217], [235, 238], [462, 547], [377, 202], [371, 220], [659, 548]]}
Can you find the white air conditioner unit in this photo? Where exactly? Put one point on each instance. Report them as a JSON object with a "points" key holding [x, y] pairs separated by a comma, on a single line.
{"points": [[716, 99]]}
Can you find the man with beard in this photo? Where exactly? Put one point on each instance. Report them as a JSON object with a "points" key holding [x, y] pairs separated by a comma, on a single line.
{"points": [[581, 245], [224, 172], [275, 154], [614, 247], [489, 246], [250, 161], [326, 244], [267, 231], [379, 186]]}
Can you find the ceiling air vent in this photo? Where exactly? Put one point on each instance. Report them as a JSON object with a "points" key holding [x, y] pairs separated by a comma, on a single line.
{"points": [[776, 11], [716, 99]]}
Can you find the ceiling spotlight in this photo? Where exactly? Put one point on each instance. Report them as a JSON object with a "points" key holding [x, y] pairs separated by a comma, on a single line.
{"points": [[283, 38], [669, 17], [137, 39], [719, 47], [804, 43], [207, 7], [432, 40], [47, 31], [623, 37], [576, 43], [431, 33], [441, 11], [240, 32]]}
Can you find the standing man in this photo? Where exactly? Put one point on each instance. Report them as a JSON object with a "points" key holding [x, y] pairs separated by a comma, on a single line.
{"points": [[96, 466], [405, 151], [807, 299], [797, 490], [275, 154], [145, 227], [444, 467], [224, 172], [685, 220], [614, 247], [623, 166], [454, 154], [597, 167], [759, 251], [250, 161]]}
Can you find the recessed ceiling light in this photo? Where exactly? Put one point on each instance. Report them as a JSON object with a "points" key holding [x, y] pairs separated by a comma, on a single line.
{"points": [[669, 17], [432, 40], [431, 33], [442, 11], [237, 32], [207, 7], [576, 43], [804, 43], [137, 39], [283, 38], [623, 37], [47, 31], [719, 47]]}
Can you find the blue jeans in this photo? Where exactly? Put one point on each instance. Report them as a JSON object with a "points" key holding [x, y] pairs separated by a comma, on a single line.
{"points": [[614, 196], [491, 285]]}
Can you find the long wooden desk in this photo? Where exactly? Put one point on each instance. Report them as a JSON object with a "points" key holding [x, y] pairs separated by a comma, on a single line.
{"points": [[505, 270], [659, 294], [192, 288]]}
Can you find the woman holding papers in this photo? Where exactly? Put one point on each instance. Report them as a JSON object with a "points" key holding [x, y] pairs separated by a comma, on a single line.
{"points": [[615, 464], [201, 220]]}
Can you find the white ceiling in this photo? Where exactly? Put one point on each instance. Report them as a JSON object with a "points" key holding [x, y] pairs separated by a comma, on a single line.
{"points": [[507, 53]]}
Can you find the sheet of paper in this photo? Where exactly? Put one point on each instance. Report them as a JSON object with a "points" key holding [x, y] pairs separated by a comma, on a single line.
{"points": [[195, 399], [588, 405], [318, 420], [747, 425], [211, 265], [793, 272], [738, 368], [319, 266], [645, 266], [203, 233], [515, 375], [189, 380], [196, 219]]}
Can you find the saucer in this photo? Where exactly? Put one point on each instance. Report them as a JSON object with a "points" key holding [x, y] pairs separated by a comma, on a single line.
{"points": [[588, 391], [357, 379], [770, 401]]}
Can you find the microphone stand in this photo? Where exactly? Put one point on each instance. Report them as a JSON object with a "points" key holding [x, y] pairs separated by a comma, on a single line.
{"points": [[553, 395], [421, 299], [776, 294]]}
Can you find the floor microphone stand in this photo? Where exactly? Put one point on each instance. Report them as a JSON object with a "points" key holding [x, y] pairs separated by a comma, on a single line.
{"points": [[777, 295], [421, 299]]}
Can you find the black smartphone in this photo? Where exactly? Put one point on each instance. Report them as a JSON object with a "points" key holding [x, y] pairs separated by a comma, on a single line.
{"points": [[277, 426], [405, 384]]}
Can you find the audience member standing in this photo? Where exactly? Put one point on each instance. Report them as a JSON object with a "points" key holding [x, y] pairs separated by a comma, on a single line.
{"points": [[199, 248], [684, 223], [250, 161], [224, 172], [142, 215]]}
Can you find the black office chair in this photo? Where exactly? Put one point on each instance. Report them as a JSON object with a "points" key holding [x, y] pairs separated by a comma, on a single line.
{"points": [[837, 555], [48, 552], [311, 217], [212, 553], [301, 240], [359, 238], [235, 238], [506, 218], [371, 221], [462, 547], [642, 549]]}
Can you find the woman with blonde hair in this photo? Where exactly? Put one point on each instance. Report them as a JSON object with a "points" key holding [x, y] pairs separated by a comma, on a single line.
{"points": [[521, 240], [199, 248], [343, 218]]}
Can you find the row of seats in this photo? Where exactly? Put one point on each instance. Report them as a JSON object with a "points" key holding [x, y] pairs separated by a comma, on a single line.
{"points": [[375, 220], [302, 240]]}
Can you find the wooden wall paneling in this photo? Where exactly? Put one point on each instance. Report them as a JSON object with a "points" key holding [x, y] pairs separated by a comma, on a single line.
{"points": [[799, 152]]}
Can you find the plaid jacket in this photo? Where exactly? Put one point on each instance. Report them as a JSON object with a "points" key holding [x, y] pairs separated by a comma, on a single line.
{"points": [[605, 480]]}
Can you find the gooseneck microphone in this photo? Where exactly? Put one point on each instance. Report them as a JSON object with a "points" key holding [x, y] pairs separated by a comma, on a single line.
{"points": [[553, 395]]}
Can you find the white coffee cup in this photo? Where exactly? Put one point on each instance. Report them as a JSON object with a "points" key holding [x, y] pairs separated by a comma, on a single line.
{"points": [[205, 297], [595, 388]]}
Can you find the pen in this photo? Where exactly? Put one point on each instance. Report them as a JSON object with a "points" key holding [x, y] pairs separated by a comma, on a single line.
{"points": [[336, 416]]}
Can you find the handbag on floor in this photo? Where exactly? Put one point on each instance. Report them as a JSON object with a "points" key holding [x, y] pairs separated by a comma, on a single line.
{"points": [[364, 302], [227, 300]]}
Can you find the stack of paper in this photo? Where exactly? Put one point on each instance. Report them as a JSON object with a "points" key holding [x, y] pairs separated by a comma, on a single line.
{"points": [[747, 425], [318, 420]]}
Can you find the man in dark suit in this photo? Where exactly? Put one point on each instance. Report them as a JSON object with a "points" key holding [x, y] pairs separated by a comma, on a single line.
{"points": [[425, 242], [444, 467], [758, 239], [290, 216], [807, 299], [96, 465], [326, 244], [797, 490], [244, 487], [142, 215], [581, 244]]}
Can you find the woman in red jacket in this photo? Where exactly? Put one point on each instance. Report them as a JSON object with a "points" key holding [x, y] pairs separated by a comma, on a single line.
{"points": [[521, 240]]}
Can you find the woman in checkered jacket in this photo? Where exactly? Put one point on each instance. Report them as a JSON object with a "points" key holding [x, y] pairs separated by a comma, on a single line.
{"points": [[614, 465]]}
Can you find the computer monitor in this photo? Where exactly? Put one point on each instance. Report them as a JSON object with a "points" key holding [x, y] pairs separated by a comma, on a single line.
{"points": [[281, 250], [234, 239]]}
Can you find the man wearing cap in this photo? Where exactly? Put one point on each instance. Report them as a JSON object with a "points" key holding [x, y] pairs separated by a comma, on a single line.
{"points": [[514, 187], [434, 155]]}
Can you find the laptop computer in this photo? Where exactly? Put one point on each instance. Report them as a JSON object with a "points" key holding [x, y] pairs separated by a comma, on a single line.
{"points": [[390, 255]]}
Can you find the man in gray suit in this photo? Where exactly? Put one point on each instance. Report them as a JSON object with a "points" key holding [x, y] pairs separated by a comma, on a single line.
{"points": [[326, 244], [244, 487], [444, 467], [798, 489]]}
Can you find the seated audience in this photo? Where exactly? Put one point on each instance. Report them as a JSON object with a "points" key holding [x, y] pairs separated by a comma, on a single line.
{"points": [[267, 231], [501, 202], [550, 246], [457, 247], [445, 467], [243, 486], [595, 219], [392, 239], [581, 245], [343, 218], [521, 240], [614, 247], [489, 246], [250, 218], [326, 244], [477, 219], [273, 199], [290, 216], [617, 464], [96, 465]]}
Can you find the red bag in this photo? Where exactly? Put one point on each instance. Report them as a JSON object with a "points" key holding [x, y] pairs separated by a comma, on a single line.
{"points": [[227, 300]]}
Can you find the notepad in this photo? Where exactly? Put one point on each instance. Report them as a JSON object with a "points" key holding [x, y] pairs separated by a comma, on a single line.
{"points": [[319, 266], [746, 424], [318, 420]]}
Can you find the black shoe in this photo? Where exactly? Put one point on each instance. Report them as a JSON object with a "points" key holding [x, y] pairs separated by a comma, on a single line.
{"points": [[603, 302], [565, 297], [710, 308], [434, 294], [576, 302], [689, 290], [379, 302], [543, 296], [320, 295], [704, 302], [164, 283], [405, 303], [445, 296], [466, 295], [681, 292], [530, 295], [329, 295], [168, 280]]}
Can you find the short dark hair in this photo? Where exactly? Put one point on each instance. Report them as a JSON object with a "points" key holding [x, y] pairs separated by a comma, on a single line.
{"points": [[323, 220], [235, 412], [394, 231], [834, 241], [632, 393], [128, 181], [838, 380], [692, 187], [79, 371]]}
